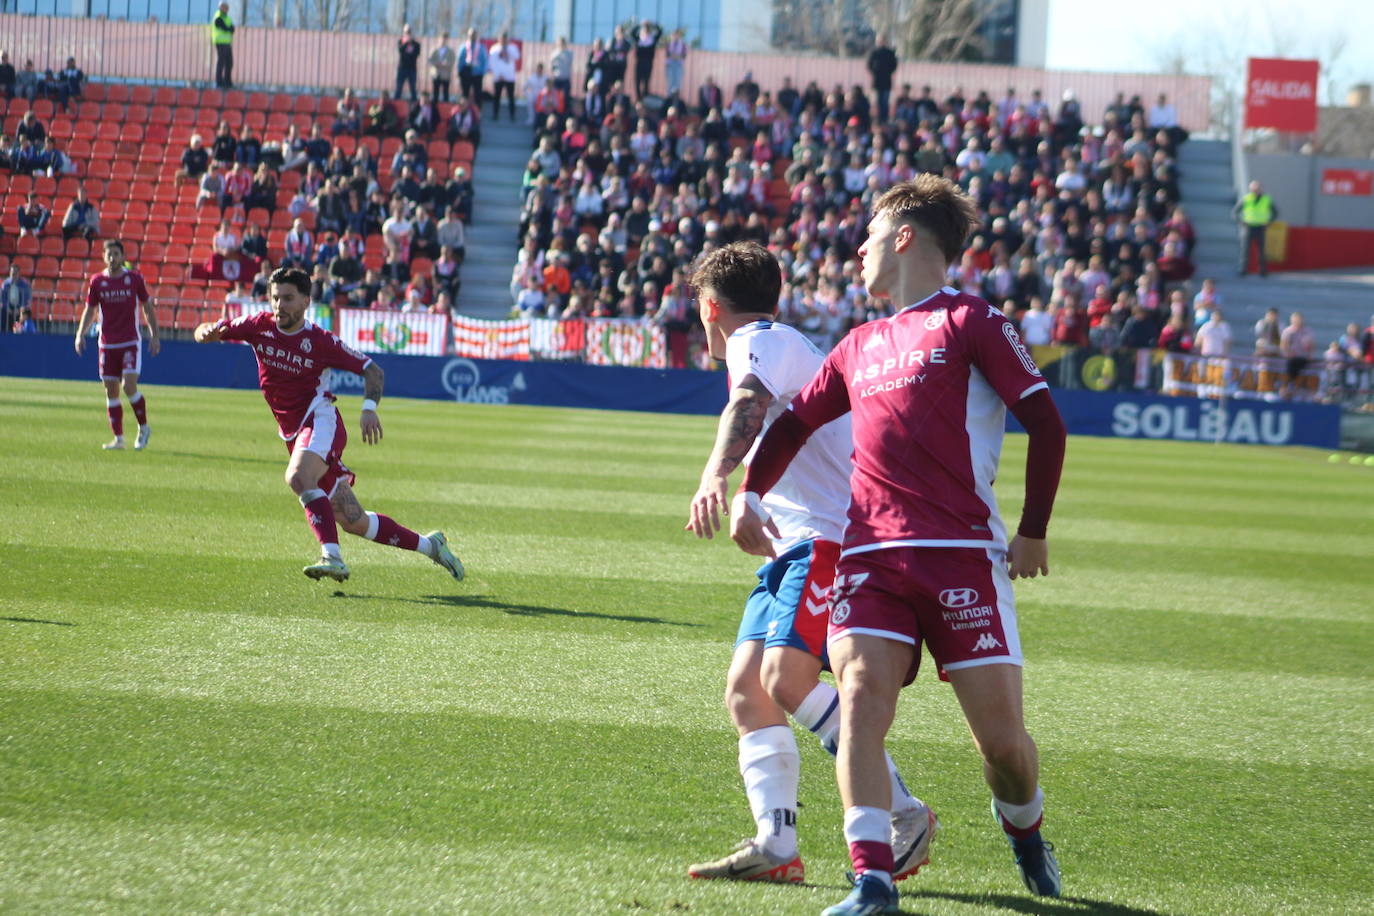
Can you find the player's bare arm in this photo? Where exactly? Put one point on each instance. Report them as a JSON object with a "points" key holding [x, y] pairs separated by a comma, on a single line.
{"points": [[150, 319], [740, 424], [370, 423], [82, 326], [209, 332]]}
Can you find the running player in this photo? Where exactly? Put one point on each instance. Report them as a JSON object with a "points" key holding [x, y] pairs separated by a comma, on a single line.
{"points": [[925, 555], [780, 649], [292, 356], [117, 293]]}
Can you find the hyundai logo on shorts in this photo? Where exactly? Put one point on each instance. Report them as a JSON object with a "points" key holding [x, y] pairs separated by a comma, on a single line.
{"points": [[958, 597]]}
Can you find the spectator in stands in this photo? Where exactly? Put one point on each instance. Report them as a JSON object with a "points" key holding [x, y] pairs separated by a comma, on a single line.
{"points": [[396, 233], [882, 63], [237, 186], [1297, 346], [382, 120], [24, 324], [423, 117], [299, 247], [224, 146], [72, 81], [561, 66], [472, 67], [407, 62], [535, 85], [30, 128], [504, 61], [424, 239], [465, 122], [646, 46], [16, 295], [211, 188], [1214, 337], [82, 217], [446, 271], [26, 83], [33, 216], [254, 242], [226, 241], [345, 271], [348, 115], [441, 62], [451, 233], [263, 191], [195, 160], [617, 57], [248, 149], [8, 75]]}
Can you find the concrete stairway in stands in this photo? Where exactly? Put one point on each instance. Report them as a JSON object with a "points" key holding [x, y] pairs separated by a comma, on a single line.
{"points": [[1208, 193], [492, 236]]}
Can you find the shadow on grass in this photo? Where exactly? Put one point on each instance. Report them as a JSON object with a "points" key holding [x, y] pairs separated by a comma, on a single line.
{"points": [[523, 610], [51, 623], [234, 458], [1040, 906]]}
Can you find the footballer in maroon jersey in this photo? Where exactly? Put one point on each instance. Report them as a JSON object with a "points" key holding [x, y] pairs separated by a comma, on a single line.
{"points": [[925, 557], [116, 294], [293, 355]]}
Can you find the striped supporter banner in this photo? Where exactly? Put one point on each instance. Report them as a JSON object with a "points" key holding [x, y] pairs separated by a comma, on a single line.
{"points": [[626, 342], [479, 339], [553, 339], [408, 333]]}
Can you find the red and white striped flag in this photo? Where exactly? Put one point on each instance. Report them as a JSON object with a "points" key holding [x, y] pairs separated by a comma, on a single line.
{"points": [[476, 338]]}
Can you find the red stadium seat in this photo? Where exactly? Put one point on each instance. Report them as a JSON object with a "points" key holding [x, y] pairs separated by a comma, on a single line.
{"points": [[78, 247], [438, 151], [212, 99], [136, 211], [166, 192], [117, 92], [132, 249], [303, 104], [141, 94], [95, 188], [160, 114], [233, 117], [44, 186], [235, 99], [136, 116], [27, 245], [258, 101], [303, 122], [88, 110], [178, 253], [67, 185], [109, 128], [95, 92], [84, 131], [185, 117], [153, 252], [61, 128], [148, 172], [173, 273], [52, 246], [165, 95], [46, 267], [259, 215], [25, 264], [121, 170], [68, 288], [44, 109], [188, 98], [97, 167], [160, 214], [156, 133], [255, 119]]}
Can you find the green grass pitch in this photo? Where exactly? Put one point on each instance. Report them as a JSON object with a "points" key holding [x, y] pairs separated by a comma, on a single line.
{"points": [[188, 725]]}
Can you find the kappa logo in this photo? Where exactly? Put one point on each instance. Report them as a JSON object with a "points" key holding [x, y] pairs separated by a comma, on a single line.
{"points": [[936, 319], [305, 345], [958, 597], [985, 642], [873, 341], [815, 599]]}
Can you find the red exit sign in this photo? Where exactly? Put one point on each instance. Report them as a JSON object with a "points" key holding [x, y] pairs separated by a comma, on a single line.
{"points": [[1348, 182]]}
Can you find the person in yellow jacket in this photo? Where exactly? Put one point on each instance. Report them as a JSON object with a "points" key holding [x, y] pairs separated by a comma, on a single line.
{"points": [[1256, 210], [222, 37]]}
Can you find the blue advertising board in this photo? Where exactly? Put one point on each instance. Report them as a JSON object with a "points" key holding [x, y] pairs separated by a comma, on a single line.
{"points": [[480, 381]]}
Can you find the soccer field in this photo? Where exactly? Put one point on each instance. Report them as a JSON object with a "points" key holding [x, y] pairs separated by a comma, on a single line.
{"points": [[189, 725]]}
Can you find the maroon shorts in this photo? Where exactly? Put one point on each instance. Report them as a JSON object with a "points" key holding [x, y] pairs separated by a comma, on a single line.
{"points": [[325, 435], [117, 362], [957, 600]]}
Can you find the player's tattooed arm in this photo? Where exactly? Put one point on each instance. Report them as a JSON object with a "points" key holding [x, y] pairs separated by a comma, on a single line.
{"points": [[373, 378], [740, 424]]}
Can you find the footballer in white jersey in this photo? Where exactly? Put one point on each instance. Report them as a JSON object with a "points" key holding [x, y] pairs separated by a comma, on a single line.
{"points": [[780, 647]]}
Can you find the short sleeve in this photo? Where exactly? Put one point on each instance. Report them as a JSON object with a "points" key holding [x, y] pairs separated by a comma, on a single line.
{"points": [[244, 327], [996, 350], [141, 288], [338, 355], [826, 396]]}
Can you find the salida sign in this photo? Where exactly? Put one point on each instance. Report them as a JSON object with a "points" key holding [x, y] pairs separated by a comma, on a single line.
{"points": [[1281, 94]]}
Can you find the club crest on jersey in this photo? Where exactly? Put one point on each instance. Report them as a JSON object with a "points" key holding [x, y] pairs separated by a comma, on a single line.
{"points": [[936, 319], [305, 345]]}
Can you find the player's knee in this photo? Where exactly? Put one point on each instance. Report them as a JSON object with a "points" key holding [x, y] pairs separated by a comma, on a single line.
{"points": [[130, 386], [296, 480], [1008, 751], [785, 687]]}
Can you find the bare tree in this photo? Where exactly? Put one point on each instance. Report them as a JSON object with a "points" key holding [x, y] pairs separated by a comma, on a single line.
{"points": [[935, 30], [331, 15]]}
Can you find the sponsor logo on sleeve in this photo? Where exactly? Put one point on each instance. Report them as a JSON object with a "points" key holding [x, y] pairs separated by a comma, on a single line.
{"points": [[1019, 349]]}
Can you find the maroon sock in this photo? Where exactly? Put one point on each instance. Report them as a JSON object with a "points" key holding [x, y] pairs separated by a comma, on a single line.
{"points": [[319, 512], [393, 534], [115, 411], [140, 406], [1019, 833], [871, 855]]}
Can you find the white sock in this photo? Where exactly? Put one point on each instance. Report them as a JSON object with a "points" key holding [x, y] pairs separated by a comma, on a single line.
{"points": [[1023, 817], [771, 767], [820, 712], [425, 546], [332, 550], [863, 823]]}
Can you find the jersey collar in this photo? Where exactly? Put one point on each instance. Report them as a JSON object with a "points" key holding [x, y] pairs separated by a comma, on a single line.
{"points": [[759, 325], [942, 291]]}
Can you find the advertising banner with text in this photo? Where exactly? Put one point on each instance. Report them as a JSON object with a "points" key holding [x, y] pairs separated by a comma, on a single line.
{"points": [[1281, 94]]}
